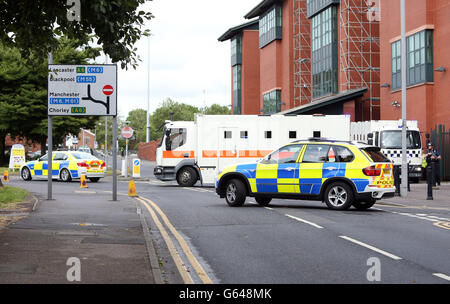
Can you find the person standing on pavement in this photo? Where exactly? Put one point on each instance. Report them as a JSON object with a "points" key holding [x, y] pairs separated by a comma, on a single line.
{"points": [[433, 155]]}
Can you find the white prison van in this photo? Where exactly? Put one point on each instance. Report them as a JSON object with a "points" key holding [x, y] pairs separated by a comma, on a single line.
{"points": [[198, 150], [387, 134]]}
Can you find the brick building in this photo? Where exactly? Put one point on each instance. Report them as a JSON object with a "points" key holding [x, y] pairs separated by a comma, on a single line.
{"points": [[315, 56], [427, 66]]}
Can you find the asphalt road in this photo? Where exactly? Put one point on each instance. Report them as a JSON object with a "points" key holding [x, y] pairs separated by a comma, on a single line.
{"points": [[198, 238]]}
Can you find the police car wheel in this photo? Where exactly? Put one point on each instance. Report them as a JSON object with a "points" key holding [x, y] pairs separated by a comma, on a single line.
{"points": [[26, 174], [235, 193], [187, 177], [338, 196], [363, 205], [65, 175], [263, 201]]}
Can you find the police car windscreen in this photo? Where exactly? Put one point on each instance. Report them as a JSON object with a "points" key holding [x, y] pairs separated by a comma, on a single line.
{"points": [[376, 155]]}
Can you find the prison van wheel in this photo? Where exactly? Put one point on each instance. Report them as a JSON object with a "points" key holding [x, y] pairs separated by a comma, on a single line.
{"points": [[235, 193], [187, 177]]}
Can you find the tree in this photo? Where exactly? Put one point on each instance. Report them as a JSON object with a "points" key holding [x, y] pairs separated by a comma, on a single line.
{"points": [[138, 122], [23, 94], [216, 109], [35, 26], [170, 110]]}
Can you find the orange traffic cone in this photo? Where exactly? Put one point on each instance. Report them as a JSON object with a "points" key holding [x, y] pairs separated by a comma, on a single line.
{"points": [[6, 176], [83, 183], [132, 189]]}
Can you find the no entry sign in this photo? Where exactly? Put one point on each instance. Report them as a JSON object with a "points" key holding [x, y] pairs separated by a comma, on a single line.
{"points": [[127, 132], [108, 90]]}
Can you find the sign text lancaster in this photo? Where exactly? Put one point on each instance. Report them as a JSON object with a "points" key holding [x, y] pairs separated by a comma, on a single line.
{"points": [[76, 90]]}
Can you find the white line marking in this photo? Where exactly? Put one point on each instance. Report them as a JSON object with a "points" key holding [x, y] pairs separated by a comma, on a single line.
{"points": [[268, 208], [304, 221], [371, 247], [439, 218], [419, 217], [442, 276]]}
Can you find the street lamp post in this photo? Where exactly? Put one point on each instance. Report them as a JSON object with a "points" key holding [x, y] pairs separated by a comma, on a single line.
{"points": [[148, 93], [404, 176]]}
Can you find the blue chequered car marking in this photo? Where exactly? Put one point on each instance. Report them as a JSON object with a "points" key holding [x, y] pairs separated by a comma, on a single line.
{"points": [[360, 184], [268, 185], [310, 185], [248, 170], [282, 173], [326, 173]]}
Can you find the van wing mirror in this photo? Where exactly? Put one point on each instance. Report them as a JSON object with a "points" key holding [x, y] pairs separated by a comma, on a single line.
{"points": [[168, 144]]}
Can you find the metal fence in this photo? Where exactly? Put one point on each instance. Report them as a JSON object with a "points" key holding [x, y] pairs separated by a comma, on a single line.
{"points": [[440, 137]]}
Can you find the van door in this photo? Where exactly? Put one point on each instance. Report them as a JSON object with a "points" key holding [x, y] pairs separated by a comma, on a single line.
{"points": [[227, 152]]}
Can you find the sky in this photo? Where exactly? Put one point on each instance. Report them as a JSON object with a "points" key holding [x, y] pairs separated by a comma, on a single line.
{"points": [[187, 62]]}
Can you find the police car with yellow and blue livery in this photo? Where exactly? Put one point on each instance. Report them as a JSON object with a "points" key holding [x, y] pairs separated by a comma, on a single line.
{"points": [[67, 165], [339, 173]]}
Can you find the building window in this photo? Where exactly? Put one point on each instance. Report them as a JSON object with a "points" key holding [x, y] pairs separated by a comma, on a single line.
{"points": [[267, 134], [396, 65], [272, 102], [315, 6], [270, 26], [236, 50], [237, 100], [244, 134], [419, 59], [324, 53]]}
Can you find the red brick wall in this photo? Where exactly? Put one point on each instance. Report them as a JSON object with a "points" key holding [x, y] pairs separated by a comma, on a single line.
{"points": [[250, 72], [147, 151], [89, 139], [427, 102], [28, 144]]}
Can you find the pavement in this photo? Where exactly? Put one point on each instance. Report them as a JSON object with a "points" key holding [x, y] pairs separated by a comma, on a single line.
{"points": [[417, 197], [109, 241]]}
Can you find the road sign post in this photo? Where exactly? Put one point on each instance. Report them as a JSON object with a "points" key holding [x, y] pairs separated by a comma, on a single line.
{"points": [[127, 133], [82, 90]]}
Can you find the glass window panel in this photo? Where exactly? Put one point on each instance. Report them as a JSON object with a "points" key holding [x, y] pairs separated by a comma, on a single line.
{"points": [[411, 59], [422, 39], [416, 41]]}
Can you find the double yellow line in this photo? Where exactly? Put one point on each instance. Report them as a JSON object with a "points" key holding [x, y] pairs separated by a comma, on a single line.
{"points": [[187, 279]]}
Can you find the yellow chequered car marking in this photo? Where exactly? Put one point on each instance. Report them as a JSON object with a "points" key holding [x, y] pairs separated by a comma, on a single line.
{"points": [[308, 178]]}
